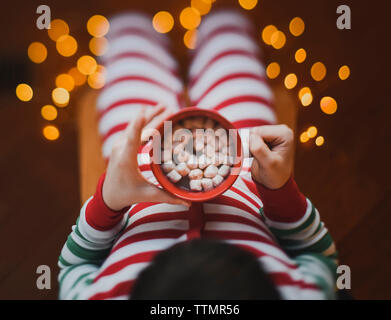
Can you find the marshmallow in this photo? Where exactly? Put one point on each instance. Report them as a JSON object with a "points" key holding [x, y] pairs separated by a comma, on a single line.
{"points": [[196, 174], [203, 162], [217, 180], [182, 169], [195, 185], [211, 171], [224, 170], [192, 162], [174, 176], [207, 184], [168, 166]]}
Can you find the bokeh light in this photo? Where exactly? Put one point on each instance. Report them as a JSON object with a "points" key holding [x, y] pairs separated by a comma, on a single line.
{"points": [[98, 46], [60, 97], [267, 33], [290, 81], [57, 29], [98, 26], [296, 26], [300, 55], [312, 132], [318, 71], [304, 137], [66, 45], [248, 4], [278, 39], [344, 72], [49, 112], [163, 22], [273, 70], [78, 78], [51, 133], [87, 65], [328, 105], [203, 6], [65, 81], [97, 79], [306, 99], [37, 52], [190, 38], [319, 141], [190, 18], [24, 92]]}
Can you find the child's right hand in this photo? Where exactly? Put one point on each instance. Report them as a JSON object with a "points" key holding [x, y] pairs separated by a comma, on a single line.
{"points": [[273, 150]]}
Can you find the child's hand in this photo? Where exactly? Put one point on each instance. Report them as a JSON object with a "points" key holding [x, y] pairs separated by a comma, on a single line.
{"points": [[272, 148], [124, 184]]}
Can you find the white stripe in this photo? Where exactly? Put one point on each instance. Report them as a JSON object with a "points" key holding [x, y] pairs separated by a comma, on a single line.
{"points": [[308, 242], [234, 88], [224, 67], [86, 244], [231, 194], [298, 293], [139, 44], [132, 20], [141, 67], [224, 42], [307, 232], [234, 226], [252, 110], [72, 276]]}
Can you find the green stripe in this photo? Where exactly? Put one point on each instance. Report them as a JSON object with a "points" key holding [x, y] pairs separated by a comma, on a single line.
{"points": [[63, 261], [84, 253], [317, 247], [304, 225], [66, 273], [329, 262], [291, 242]]}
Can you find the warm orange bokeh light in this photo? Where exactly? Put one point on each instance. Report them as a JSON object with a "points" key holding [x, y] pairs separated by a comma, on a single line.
{"points": [[37, 52], [51, 133], [248, 4], [312, 132], [190, 38], [66, 45], [300, 55], [328, 105], [278, 39], [77, 76], [57, 29], [319, 141], [304, 137], [65, 81], [203, 6], [290, 81], [98, 46], [87, 65], [305, 96], [190, 18], [318, 71], [49, 112], [60, 97], [267, 33], [273, 70], [24, 92], [296, 26], [163, 22], [98, 26], [97, 79], [344, 72]]}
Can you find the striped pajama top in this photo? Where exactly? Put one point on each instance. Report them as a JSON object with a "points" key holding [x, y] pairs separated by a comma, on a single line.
{"points": [[106, 250]]}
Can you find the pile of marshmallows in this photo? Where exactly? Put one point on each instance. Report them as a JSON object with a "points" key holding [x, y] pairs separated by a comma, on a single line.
{"points": [[198, 156]]}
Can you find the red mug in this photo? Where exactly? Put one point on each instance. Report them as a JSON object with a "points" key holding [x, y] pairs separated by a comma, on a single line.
{"points": [[198, 196]]}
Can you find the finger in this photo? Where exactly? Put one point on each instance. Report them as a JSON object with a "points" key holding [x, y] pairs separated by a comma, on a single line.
{"points": [[258, 147], [133, 135], [149, 130], [158, 109], [274, 135]]}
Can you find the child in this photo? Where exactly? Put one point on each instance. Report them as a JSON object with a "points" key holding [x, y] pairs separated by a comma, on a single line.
{"points": [[179, 249]]}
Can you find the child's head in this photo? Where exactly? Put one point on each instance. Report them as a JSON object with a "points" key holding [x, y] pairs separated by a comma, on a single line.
{"points": [[204, 269]]}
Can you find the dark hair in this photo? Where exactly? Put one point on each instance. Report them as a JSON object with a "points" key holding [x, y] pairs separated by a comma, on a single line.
{"points": [[204, 269]]}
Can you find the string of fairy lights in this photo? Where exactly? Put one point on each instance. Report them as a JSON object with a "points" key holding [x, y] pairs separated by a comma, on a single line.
{"points": [[87, 71]]}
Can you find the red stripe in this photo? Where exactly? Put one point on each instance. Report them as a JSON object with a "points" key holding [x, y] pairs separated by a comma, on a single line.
{"points": [[127, 101], [247, 197], [225, 200], [222, 30], [137, 78], [249, 123], [223, 54], [122, 288], [115, 129], [137, 31], [240, 75], [211, 217], [149, 235], [245, 98], [238, 235], [253, 188], [118, 266], [130, 54]]}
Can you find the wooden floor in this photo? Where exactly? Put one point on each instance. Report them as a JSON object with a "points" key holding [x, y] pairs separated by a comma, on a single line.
{"points": [[347, 178]]}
